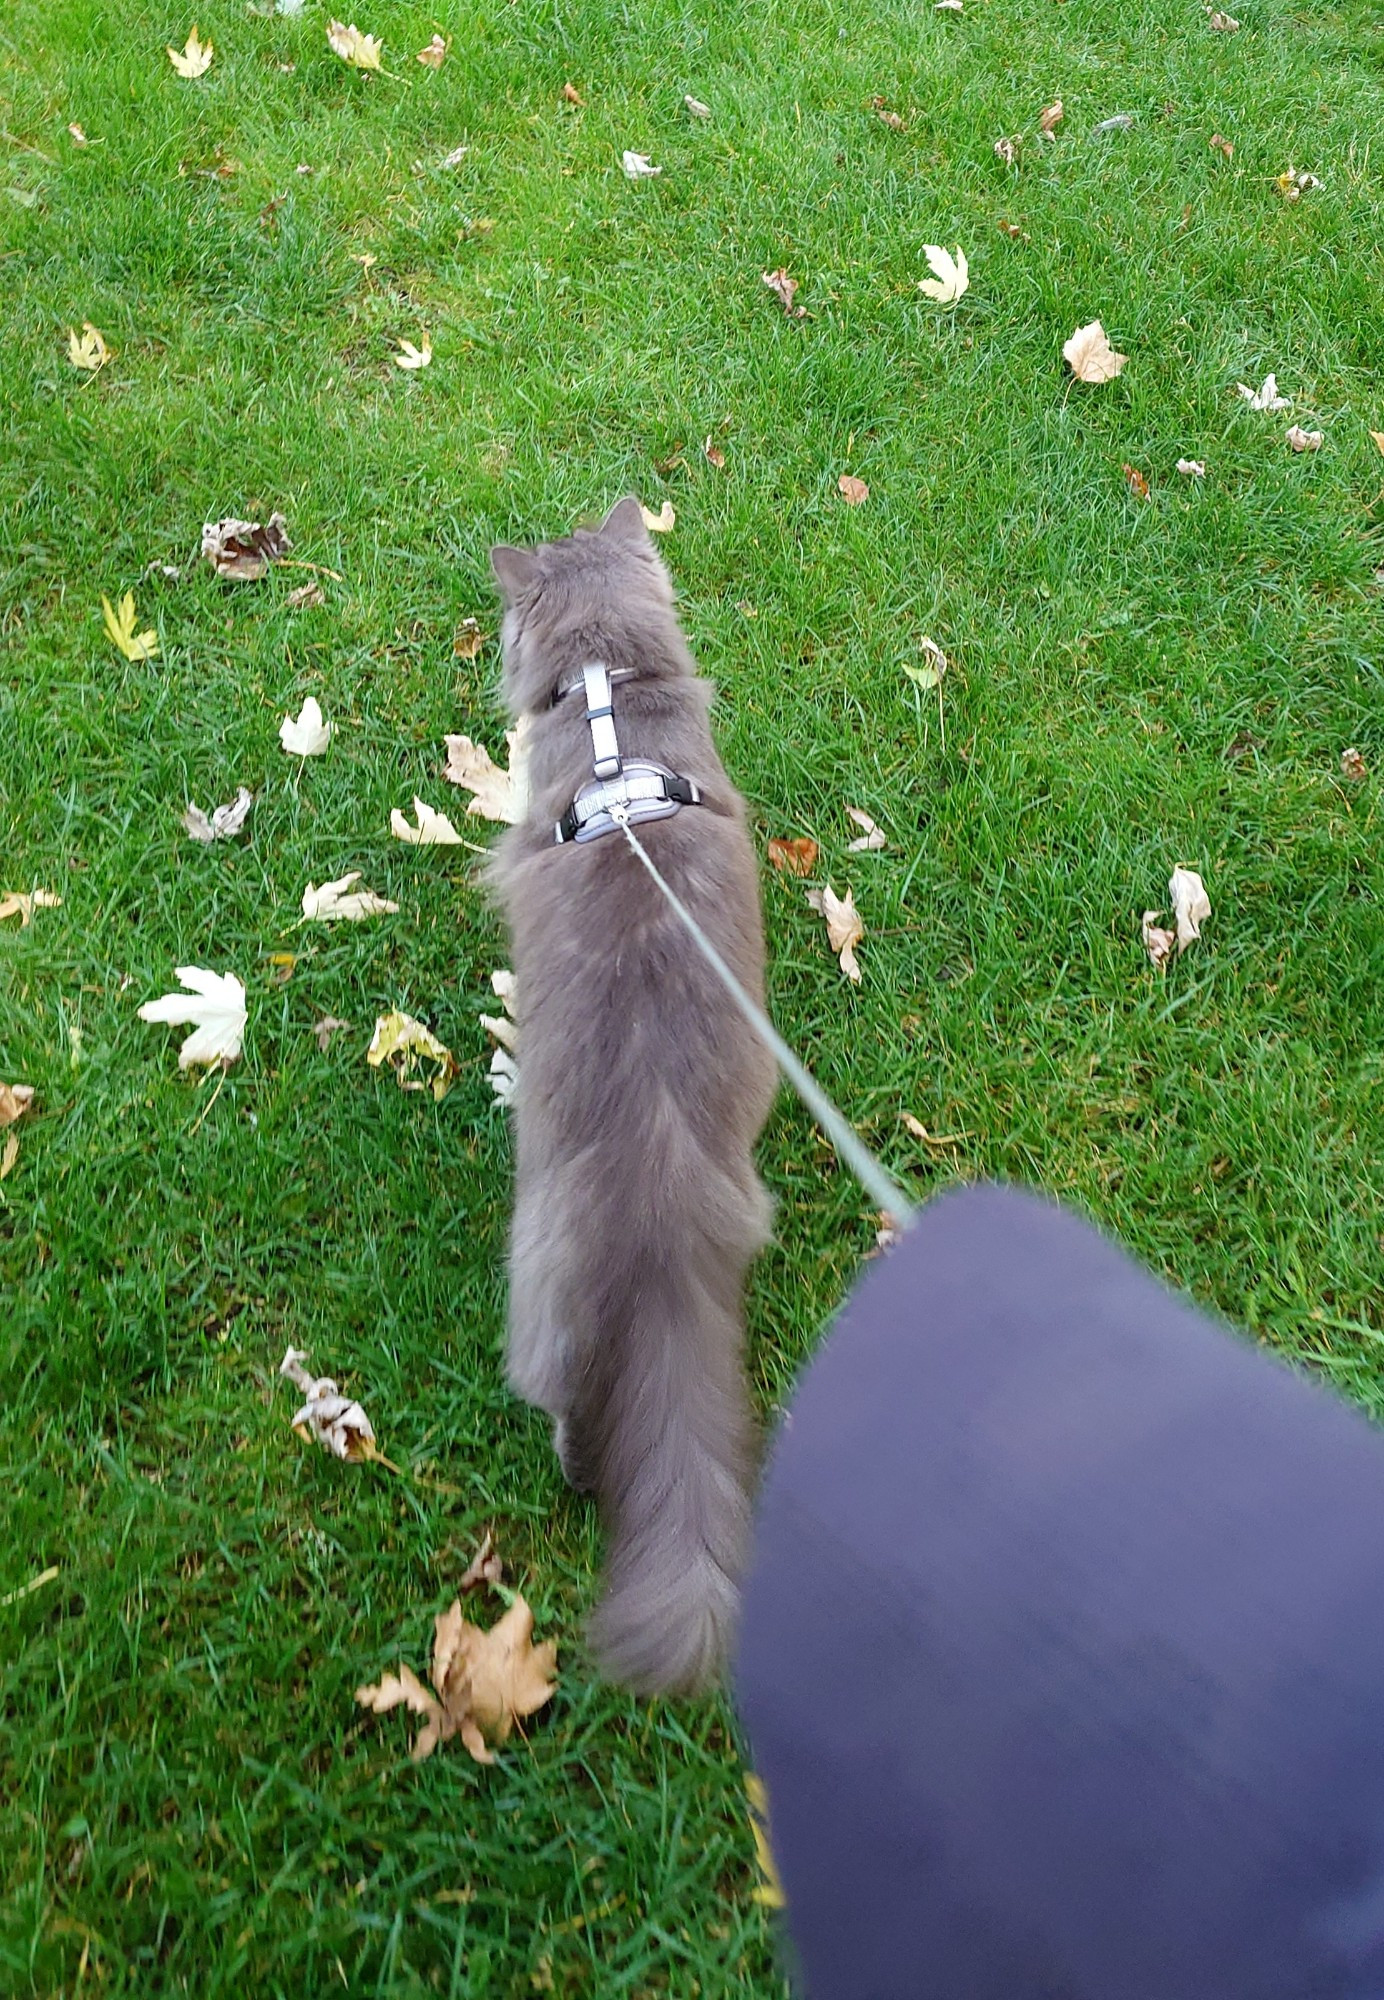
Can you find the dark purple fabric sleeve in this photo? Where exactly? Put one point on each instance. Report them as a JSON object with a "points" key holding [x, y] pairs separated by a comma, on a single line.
{"points": [[1063, 1647]]}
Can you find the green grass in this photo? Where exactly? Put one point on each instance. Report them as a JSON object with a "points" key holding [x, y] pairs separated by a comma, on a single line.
{"points": [[189, 1800]]}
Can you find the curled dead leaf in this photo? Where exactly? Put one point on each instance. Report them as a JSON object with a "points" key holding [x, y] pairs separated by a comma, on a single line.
{"points": [[224, 823], [1220, 144], [793, 857], [434, 55], [431, 828], [871, 836], [243, 550], [485, 1567], [1191, 904], [1191, 468], [342, 902], [1136, 482], [1352, 766], [485, 1682], [785, 290], [663, 521], [339, 1425], [571, 94], [852, 490], [1302, 440], [1008, 149], [407, 1046], [15, 1100], [1157, 943], [22, 903], [324, 1029], [499, 794], [844, 928], [1050, 116], [468, 639]]}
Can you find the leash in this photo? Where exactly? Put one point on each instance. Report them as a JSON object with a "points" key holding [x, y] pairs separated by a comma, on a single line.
{"points": [[851, 1150]]}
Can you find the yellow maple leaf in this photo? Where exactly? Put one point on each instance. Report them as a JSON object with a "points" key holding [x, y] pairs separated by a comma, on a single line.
{"points": [[354, 46], [406, 1045], [195, 58], [121, 627], [87, 349]]}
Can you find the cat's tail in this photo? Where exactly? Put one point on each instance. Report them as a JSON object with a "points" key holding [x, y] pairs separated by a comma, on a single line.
{"points": [[674, 1446]]}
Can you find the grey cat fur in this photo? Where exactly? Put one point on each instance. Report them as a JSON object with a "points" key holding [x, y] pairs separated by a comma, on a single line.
{"points": [[640, 1095]]}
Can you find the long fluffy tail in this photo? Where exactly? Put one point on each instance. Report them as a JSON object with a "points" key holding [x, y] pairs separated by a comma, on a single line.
{"points": [[672, 1439]]}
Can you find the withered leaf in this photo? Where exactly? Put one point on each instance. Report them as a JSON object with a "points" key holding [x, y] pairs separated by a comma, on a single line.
{"points": [[1136, 482], [1090, 356], [485, 1682], [224, 823], [1352, 766], [1157, 943], [15, 1099], [244, 550], [499, 794], [571, 94], [871, 836], [793, 857], [434, 55], [326, 1028], [1191, 904], [339, 1425], [844, 928], [713, 454], [22, 903], [1050, 116], [468, 638], [852, 490], [484, 1567], [1302, 440], [309, 596], [785, 290], [407, 1045], [1008, 149]]}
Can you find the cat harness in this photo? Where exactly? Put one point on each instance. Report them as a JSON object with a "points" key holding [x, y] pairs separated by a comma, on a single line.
{"points": [[624, 789]]}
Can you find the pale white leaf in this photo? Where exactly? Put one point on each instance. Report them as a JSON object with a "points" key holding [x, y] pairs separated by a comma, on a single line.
{"points": [[306, 735], [1265, 397], [1090, 356], [871, 836], [1157, 943], [225, 822], [1191, 905], [214, 1003], [360, 50], [1302, 440], [638, 166], [844, 928], [696, 108], [410, 357], [193, 60], [950, 278], [504, 1074], [338, 1423], [498, 794], [661, 522], [1191, 468], [341, 901], [433, 829]]}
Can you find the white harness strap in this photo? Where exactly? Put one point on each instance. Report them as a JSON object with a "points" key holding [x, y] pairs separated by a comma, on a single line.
{"points": [[623, 790]]}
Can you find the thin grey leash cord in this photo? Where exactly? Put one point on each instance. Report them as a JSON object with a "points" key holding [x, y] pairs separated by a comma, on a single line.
{"points": [[882, 1190]]}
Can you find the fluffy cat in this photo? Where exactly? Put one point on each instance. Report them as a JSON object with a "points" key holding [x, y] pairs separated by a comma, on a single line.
{"points": [[641, 1092]]}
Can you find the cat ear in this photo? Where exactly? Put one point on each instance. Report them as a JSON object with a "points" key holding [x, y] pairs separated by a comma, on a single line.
{"points": [[515, 570], [625, 523]]}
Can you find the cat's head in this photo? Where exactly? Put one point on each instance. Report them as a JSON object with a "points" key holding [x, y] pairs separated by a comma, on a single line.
{"points": [[599, 594]]}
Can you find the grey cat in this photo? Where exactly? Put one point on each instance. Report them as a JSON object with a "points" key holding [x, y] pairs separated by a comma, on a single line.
{"points": [[641, 1092]]}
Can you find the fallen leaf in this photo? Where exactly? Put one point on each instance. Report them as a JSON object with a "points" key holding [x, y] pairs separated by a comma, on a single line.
{"points": [[121, 628], [306, 734], [572, 94], [947, 7], [714, 455], [1191, 905], [434, 55], [1090, 356], [769, 1892], [282, 965], [663, 521], [696, 108], [410, 357], [1136, 482], [195, 58], [1302, 440], [1219, 144], [1352, 766], [1008, 149], [361, 51], [638, 166], [1157, 943], [309, 596], [504, 1075], [407, 1045], [950, 278], [339, 901], [497, 795], [243, 550], [1293, 186], [793, 857], [1050, 116], [1121, 122], [1265, 398], [225, 822], [1224, 24], [503, 1028], [1378, 437], [1191, 468], [785, 290], [15, 1099], [214, 1003], [852, 490], [468, 639], [324, 1029], [9, 1156], [433, 829], [77, 135], [456, 156], [844, 928], [871, 837], [485, 1682], [339, 1424], [935, 664], [920, 1131], [18, 903], [880, 107], [484, 1567], [88, 349], [1013, 230]]}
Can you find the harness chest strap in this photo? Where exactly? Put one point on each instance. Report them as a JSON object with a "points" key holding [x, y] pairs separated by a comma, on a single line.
{"points": [[635, 788]]}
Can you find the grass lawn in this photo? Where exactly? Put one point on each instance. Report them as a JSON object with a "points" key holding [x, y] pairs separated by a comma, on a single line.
{"points": [[190, 1801]]}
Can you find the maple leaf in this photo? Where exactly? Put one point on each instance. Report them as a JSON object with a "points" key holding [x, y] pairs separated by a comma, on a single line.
{"points": [[225, 822], [120, 625], [243, 550], [1157, 943], [309, 596], [871, 836], [793, 857], [1090, 356], [468, 638], [1191, 468], [1220, 144], [306, 734], [1136, 482], [1265, 398], [950, 274], [88, 349], [1191, 905], [434, 55], [498, 794], [339, 1424], [504, 1071], [340, 901], [695, 107], [22, 904], [485, 1682], [663, 521], [1050, 116], [15, 1099], [214, 1003], [485, 1566], [407, 1045], [785, 290], [326, 1028], [1223, 24], [638, 166], [844, 928], [195, 58], [433, 829], [411, 357], [1302, 440], [1352, 766], [852, 490], [935, 664], [360, 50]]}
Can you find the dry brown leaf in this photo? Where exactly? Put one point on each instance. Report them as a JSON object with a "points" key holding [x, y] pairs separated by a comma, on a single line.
{"points": [[468, 639], [244, 549], [1191, 904], [852, 490], [485, 1682], [880, 107], [1008, 149], [405, 1690], [309, 596], [1090, 356], [15, 1099], [407, 1045], [22, 904], [1013, 230], [484, 1567], [793, 857], [10, 1155], [1136, 482], [920, 1131], [785, 290], [1378, 437], [572, 94], [339, 1425], [499, 794], [714, 455], [1352, 766], [844, 928], [1157, 943], [434, 55], [1219, 144], [325, 1029], [1050, 116], [871, 836]]}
